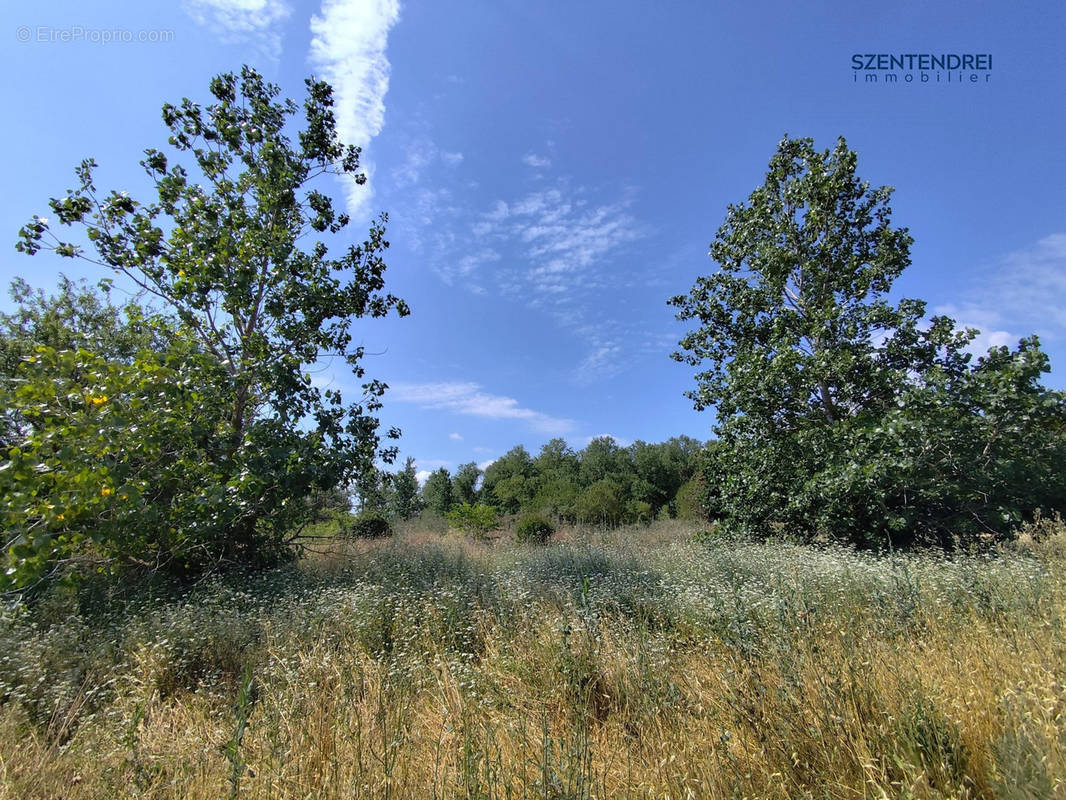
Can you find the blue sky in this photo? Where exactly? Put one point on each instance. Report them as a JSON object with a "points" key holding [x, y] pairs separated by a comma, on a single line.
{"points": [[554, 171]]}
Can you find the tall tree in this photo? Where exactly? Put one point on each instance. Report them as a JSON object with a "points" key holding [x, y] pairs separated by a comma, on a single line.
{"points": [[806, 361], [221, 246], [437, 496], [404, 502], [464, 484]]}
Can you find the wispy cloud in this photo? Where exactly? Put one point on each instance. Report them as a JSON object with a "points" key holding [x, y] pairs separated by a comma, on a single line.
{"points": [[562, 249], [420, 155], [348, 43], [254, 22], [455, 437], [1025, 293], [536, 161], [561, 237], [469, 399]]}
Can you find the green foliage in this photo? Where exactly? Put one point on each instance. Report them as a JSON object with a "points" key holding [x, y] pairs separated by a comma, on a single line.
{"points": [[372, 490], [600, 504], [533, 529], [368, 525], [638, 511], [478, 518], [464, 484], [510, 480], [106, 470], [437, 492], [841, 414], [688, 502], [404, 502], [220, 246]]}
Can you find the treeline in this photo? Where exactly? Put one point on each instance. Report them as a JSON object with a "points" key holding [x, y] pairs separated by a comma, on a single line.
{"points": [[604, 484]]}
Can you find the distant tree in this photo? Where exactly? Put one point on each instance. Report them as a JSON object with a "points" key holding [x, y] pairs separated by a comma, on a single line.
{"points": [[437, 492], [557, 460], [404, 501], [372, 490], [557, 497], [603, 459], [838, 412], [600, 504], [478, 519], [509, 480], [464, 484]]}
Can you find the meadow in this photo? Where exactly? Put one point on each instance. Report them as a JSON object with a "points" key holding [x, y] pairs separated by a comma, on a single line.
{"points": [[629, 663]]}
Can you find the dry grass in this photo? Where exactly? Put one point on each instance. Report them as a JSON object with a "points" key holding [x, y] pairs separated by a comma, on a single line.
{"points": [[626, 664]]}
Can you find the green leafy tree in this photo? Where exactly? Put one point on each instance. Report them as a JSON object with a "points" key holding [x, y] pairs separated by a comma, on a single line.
{"points": [[464, 484], [821, 384], [221, 247], [76, 317], [600, 504], [510, 481], [477, 518], [372, 490], [437, 492], [98, 472], [404, 501], [603, 459]]}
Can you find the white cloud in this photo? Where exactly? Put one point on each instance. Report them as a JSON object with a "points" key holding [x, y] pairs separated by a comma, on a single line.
{"points": [[254, 22], [420, 154], [455, 437], [469, 399], [563, 238], [1024, 294], [422, 475], [348, 43], [536, 161], [604, 361], [985, 320]]}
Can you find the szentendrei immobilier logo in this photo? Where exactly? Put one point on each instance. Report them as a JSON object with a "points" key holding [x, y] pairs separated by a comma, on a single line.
{"points": [[927, 68]]}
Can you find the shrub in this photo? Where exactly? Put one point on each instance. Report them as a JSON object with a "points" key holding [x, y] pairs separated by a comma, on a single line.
{"points": [[533, 529], [689, 500], [368, 525], [476, 518], [639, 511], [600, 504]]}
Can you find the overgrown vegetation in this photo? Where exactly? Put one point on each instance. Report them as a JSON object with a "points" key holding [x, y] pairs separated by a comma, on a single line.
{"points": [[632, 663], [710, 649], [839, 413], [189, 439]]}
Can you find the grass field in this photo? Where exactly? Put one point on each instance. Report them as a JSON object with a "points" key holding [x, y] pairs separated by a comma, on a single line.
{"points": [[627, 664]]}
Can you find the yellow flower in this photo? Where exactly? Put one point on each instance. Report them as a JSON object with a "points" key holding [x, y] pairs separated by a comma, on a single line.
{"points": [[107, 491], [98, 400], [181, 273], [61, 517]]}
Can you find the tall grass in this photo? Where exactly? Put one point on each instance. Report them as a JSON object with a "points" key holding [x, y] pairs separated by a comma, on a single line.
{"points": [[628, 664]]}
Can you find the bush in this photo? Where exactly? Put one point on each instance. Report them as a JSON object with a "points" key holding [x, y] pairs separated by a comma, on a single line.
{"points": [[600, 504], [476, 518], [368, 525], [533, 529], [639, 511], [689, 500]]}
